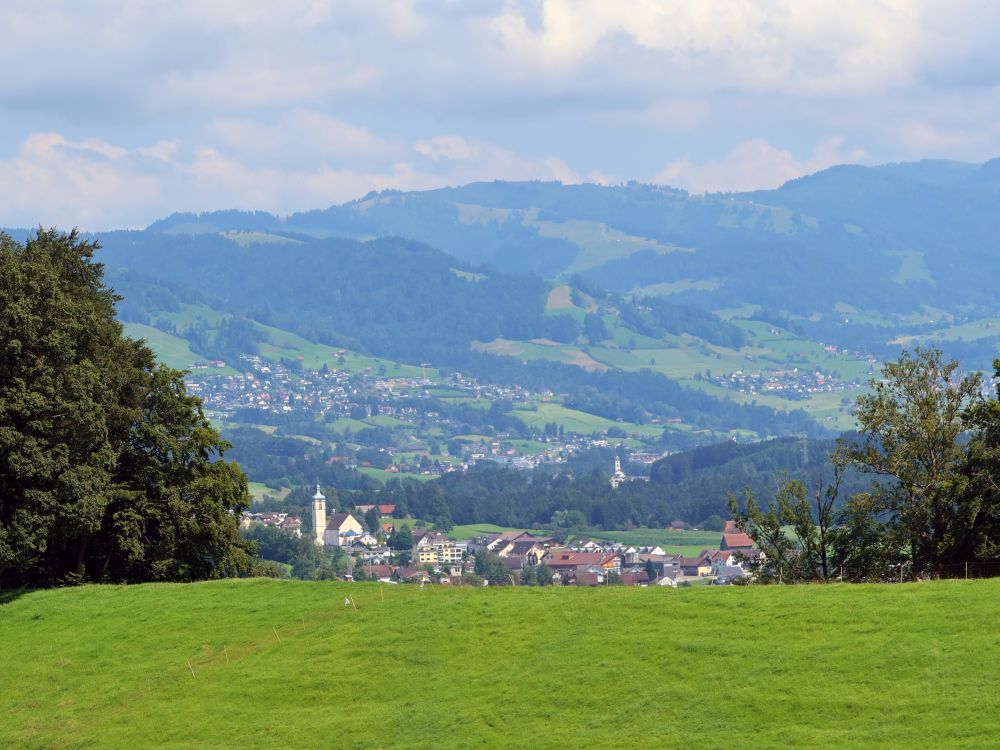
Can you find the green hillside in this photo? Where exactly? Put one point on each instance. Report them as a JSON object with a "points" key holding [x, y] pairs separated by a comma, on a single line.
{"points": [[271, 664]]}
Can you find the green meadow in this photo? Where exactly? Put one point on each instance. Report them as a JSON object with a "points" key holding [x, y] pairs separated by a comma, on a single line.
{"points": [[282, 344], [173, 351], [282, 664]]}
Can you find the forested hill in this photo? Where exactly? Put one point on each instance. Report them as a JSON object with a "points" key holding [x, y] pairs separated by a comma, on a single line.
{"points": [[898, 236], [391, 296], [406, 301]]}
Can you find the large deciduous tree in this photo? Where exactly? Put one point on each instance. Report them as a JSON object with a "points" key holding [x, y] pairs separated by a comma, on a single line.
{"points": [[910, 425], [109, 470]]}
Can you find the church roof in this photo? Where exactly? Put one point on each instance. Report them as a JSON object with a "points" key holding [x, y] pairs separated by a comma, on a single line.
{"points": [[337, 520]]}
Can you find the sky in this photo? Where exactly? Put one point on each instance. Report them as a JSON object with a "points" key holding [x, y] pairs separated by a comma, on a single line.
{"points": [[116, 113]]}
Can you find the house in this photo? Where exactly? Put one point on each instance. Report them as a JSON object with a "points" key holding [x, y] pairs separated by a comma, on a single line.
{"points": [[529, 551], [283, 521], [738, 542], [654, 550], [696, 566], [565, 561], [723, 559], [634, 578], [387, 509], [727, 575], [677, 526], [341, 530]]}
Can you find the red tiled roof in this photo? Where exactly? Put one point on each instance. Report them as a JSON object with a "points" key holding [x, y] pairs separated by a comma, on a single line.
{"points": [[737, 541]]}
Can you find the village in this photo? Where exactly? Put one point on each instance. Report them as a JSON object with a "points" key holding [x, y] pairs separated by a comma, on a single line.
{"points": [[516, 557], [791, 383], [267, 390]]}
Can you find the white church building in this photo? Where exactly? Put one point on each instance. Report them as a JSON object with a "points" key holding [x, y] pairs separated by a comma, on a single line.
{"points": [[339, 530]]}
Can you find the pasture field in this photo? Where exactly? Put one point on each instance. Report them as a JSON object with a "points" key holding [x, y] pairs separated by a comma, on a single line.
{"points": [[598, 243], [245, 239], [261, 664], [673, 542], [384, 476], [173, 351], [983, 328], [282, 344], [572, 420], [258, 490], [472, 530]]}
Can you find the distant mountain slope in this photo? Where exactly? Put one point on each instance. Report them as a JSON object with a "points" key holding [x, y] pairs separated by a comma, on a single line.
{"points": [[405, 301], [888, 239]]}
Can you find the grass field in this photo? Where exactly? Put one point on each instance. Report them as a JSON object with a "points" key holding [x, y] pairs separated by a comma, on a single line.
{"points": [[276, 664], [285, 344], [471, 531], [598, 243], [674, 542], [258, 490], [173, 351], [573, 420]]}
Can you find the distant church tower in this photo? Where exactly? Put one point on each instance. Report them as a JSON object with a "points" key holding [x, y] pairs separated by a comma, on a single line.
{"points": [[619, 476], [319, 516]]}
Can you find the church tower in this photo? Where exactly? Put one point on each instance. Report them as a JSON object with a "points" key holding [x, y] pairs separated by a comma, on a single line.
{"points": [[619, 476], [319, 515]]}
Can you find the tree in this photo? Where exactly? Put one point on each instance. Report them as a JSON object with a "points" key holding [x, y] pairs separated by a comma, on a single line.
{"points": [[108, 469], [650, 571], [401, 539], [809, 555], [492, 568], [373, 521], [529, 576], [440, 515], [910, 425], [543, 574], [975, 534]]}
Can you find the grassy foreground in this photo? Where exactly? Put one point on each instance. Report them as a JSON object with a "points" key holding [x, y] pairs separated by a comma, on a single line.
{"points": [[837, 666]]}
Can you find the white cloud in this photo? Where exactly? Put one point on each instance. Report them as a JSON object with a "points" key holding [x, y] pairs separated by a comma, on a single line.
{"points": [[754, 164], [54, 181], [782, 45], [440, 147], [299, 135], [296, 104], [95, 185], [152, 56], [473, 160]]}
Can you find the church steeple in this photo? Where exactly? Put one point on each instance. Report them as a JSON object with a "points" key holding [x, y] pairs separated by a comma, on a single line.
{"points": [[619, 476], [319, 515]]}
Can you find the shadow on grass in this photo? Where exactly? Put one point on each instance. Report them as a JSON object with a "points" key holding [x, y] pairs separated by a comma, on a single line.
{"points": [[9, 595]]}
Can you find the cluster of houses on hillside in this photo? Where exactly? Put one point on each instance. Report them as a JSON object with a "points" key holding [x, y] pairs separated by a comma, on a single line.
{"points": [[276, 388], [789, 382], [586, 562]]}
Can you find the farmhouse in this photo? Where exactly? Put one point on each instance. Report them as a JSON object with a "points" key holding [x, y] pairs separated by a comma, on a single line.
{"points": [[738, 542]]}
